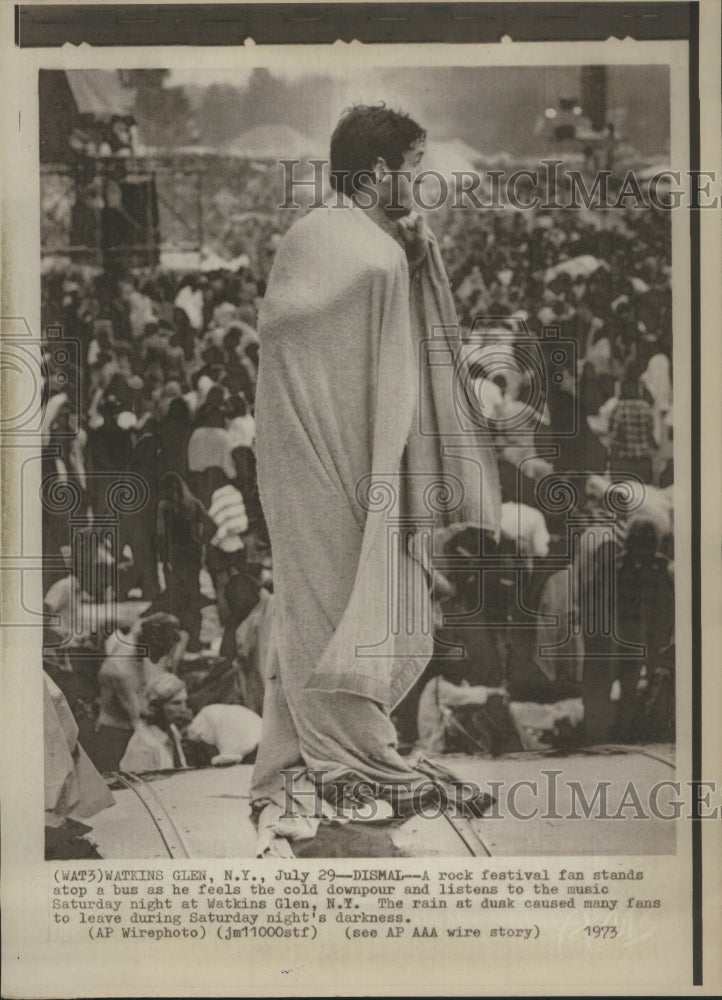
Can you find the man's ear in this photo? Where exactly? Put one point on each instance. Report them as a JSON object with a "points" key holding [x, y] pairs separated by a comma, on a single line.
{"points": [[380, 168]]}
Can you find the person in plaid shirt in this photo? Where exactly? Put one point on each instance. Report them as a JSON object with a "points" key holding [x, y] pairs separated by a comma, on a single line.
{"points": [[631, 434]]}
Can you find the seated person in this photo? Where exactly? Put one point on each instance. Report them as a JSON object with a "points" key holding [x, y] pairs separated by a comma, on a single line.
{"points": [[455, 717], [228, 733], [132, 659], [156, 742]]}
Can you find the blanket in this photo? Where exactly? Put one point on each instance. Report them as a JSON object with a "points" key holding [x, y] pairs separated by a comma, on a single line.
{"points": [[360, 454]]}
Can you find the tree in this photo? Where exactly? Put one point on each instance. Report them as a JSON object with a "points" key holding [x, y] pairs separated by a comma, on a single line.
{"points": [[163, 113], [222, 114]]}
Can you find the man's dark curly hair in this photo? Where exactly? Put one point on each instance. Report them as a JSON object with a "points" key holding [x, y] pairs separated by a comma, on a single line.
{"points": [[365, 133]]}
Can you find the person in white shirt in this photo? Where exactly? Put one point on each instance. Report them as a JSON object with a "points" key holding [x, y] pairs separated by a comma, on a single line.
{"points": [[156, 743], [224, 552], [241, 427], [233, 730]]}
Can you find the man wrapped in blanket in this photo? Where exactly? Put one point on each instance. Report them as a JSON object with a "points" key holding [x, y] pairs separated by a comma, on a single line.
{"points": [[361, 451]]}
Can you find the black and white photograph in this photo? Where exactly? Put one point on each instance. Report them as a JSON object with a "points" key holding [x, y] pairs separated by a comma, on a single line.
{"points": [[363, 484], [360, 500]]}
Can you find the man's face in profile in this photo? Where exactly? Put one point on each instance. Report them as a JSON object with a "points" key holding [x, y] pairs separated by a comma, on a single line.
{"points": [[396, 187]]}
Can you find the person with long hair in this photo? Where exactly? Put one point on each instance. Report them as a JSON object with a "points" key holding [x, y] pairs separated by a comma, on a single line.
{"points": [[157, 745]]}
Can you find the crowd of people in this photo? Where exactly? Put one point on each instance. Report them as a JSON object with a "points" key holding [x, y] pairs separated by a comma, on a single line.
{"points": [[160, 613], [601, 430]]}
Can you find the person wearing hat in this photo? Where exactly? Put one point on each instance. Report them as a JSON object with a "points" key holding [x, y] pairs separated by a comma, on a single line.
{"points": [[156, 744]]}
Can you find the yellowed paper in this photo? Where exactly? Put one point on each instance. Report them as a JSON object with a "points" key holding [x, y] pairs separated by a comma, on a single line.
{"points": [[180, 904]]}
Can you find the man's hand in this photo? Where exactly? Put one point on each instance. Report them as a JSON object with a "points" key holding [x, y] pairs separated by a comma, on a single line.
{"points": [[414, 234]]}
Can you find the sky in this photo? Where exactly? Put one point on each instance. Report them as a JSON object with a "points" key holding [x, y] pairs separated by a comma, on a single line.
{"points": [[490, 108]]}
